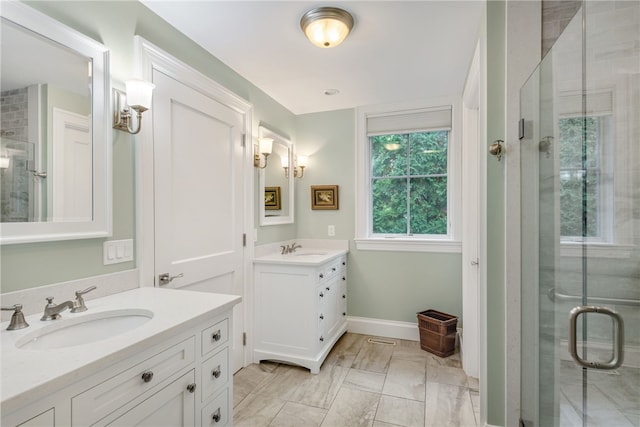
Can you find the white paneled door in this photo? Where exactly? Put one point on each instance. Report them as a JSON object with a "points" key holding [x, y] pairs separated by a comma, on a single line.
{"points": [[198, 175]]}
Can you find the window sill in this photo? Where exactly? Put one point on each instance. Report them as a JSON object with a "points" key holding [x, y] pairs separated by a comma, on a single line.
{"points": [[406, 245], [596, 250]]}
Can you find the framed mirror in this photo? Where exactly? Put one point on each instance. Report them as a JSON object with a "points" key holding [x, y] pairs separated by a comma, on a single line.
{"points": [[55, 137], [276, 183]]}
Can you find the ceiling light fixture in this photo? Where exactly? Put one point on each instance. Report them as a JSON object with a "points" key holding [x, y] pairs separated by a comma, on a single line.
{"points": [[326, 26]]}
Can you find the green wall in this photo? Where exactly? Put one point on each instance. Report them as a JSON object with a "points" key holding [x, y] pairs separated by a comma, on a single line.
{"points": [[382, 285], [495, 310]]}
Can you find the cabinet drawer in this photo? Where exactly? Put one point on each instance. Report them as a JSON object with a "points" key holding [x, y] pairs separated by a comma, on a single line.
{"points": [[215, 373], [216, 413], [214, 336], [97, 402]]}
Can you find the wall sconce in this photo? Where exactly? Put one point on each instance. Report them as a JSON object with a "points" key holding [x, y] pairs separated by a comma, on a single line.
{"points": [[5, 162], [137, 98], [298, 168], [326, 26], [264, 147]]}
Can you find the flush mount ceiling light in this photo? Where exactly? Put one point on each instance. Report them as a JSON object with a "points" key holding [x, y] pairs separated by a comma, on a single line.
{"points": [[326, 26]]}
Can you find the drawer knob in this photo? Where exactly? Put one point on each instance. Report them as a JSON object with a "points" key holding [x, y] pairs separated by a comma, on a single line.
{"points": [[321, 276], [191, 388], [216, 336], [216, 372], [216, 416], [321, 338], [333, 269], [344, 296], [147, 376], [344, 278], [328, 288], [321, 316], [344, 262], [344, 314], [321, 295]]}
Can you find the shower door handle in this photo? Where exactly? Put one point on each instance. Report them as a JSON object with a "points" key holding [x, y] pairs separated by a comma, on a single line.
{"points": [[618, 337]]}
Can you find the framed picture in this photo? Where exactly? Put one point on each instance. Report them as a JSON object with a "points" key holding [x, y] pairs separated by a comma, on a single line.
{"points": [[324, 197], [272, 198]]}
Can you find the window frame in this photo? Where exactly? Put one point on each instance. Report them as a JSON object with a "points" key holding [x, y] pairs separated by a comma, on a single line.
{"points": [[365, 239]]}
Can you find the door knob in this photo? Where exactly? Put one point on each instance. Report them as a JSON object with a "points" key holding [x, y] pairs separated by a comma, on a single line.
{"points": [[165, 278]]}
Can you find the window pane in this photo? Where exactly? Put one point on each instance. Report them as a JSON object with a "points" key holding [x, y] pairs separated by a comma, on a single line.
{"points": [[571, 135], [389, 206], [389, 155], [428, 153], [571, 196], [429, 205]]}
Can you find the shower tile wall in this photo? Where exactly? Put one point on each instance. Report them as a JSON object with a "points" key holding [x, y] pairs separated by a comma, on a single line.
{"points": [[14, 121], [556, 15]]}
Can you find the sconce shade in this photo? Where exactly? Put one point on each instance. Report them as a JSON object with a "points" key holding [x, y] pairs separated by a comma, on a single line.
{"points": [[326, 27], [302, 161], [139, 94], [4, 162], [265, 145]]}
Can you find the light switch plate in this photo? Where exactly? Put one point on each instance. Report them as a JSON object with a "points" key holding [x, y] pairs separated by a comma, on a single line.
{"points": [[116, 251]]}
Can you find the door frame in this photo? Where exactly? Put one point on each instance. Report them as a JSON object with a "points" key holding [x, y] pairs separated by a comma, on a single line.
{"points": [[148, 58]]}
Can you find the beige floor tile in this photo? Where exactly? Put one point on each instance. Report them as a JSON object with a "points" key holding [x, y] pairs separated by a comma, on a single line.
{"points": [[410, 350], [284, 381], [364, 380], [320, 390], [405, 378], [451, 361], [257, 410], [247, 380], [346, 350], [448, 406], [377, 423], [446, 375], [373, 357], [475, 402], [298, 415], [473, 383], [352, 408], [399, 411]]}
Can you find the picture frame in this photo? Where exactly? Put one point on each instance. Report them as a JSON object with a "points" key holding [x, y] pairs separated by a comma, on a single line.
{"points": [[272, 200], [324, 197]]}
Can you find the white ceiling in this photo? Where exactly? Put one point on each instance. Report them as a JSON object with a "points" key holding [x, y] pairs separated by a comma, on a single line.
{"points": [[397, 50]]}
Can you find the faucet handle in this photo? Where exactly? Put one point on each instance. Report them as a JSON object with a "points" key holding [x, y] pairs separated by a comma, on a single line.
{"points": [[17, 318], [79, 305]]}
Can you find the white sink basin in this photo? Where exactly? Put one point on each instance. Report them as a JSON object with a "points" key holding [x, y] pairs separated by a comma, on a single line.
{"points": [[85, 329]]}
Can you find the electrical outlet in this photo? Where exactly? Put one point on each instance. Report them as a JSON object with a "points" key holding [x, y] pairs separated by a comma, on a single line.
{"points": [[331, 230]]}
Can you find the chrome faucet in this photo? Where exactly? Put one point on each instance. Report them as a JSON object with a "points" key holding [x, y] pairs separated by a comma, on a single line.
{"points": [[52, 311], [78, 304], [288, 249]]}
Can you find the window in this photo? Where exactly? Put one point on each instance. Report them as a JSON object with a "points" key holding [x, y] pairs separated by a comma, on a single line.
{"points": [[408, 185]]}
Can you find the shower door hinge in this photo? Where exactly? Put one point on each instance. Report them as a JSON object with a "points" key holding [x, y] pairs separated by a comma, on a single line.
{"points": [[244, 239], [244, 338], [521, 129]]}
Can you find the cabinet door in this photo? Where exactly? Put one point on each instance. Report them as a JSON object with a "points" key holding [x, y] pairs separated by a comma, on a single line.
{"points": [[172, 406], [331, 315], [44, 419]]}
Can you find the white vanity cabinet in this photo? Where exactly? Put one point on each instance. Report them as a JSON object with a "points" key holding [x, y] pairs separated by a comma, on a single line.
{"points": [[300, 310], [182, 377]]}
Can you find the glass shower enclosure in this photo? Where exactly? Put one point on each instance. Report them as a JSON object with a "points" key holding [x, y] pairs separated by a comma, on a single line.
{"points": [[580, 186]]}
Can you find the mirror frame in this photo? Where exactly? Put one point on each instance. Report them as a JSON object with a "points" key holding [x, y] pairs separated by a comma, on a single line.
{"points": [[265, 132], [101, 224]]}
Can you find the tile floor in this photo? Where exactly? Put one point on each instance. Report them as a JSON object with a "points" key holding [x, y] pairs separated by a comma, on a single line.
{"points": [[359, 384]]}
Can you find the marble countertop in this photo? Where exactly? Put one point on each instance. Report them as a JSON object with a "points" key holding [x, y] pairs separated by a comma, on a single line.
{"points": [[30, 374]]}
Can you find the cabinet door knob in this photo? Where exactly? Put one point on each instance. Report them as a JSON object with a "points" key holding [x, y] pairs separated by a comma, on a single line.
{"points": [[216, 416], [344, 262], [147, 376], [216, 336], [191, 388], [322, 317], [321, 338], [321, 275], [328, 288], [216, 372], [344, 296], [344, 314], [333, 269], [344, 278], [321, 295]]}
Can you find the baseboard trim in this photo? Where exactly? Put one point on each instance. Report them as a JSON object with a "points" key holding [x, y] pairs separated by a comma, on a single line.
{"points": [[384, 328]]}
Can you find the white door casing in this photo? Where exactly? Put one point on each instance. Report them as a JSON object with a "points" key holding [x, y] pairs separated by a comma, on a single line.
{"points": [[193, 184]]}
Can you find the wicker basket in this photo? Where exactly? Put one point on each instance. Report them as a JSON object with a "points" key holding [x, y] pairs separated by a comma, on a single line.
{"points": [[437, 332]]}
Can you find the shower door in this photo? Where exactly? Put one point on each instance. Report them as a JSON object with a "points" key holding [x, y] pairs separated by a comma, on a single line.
{"points": [[580, 195]]}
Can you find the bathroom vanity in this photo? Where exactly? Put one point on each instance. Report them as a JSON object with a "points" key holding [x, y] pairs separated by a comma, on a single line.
{"points": [[301, 306], [147, 356]]}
